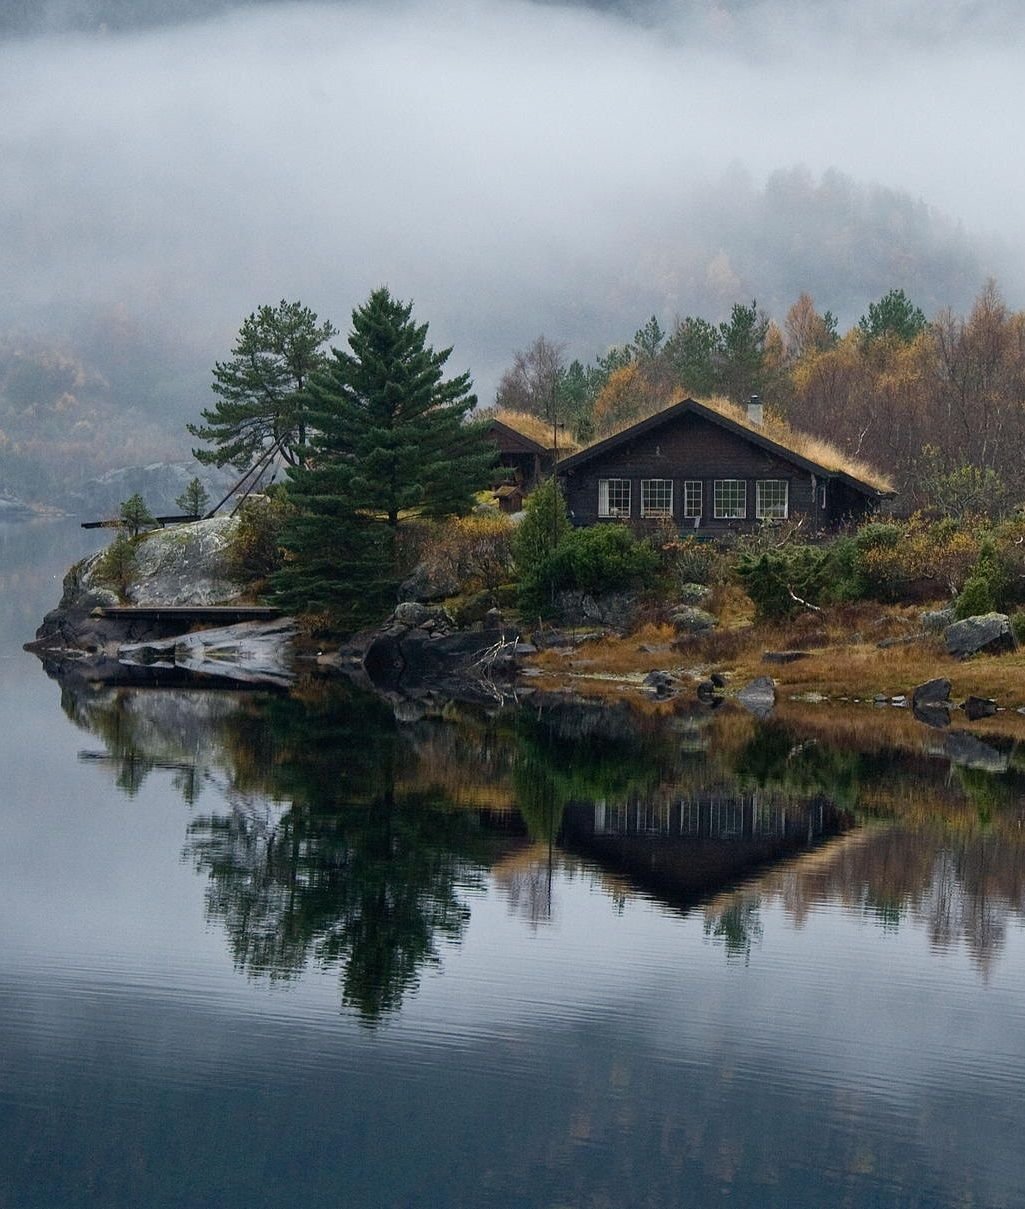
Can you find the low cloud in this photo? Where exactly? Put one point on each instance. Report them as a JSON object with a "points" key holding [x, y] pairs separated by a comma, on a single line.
{"points": [[514, 167]]}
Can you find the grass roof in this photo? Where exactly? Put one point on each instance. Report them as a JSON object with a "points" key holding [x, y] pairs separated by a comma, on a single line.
{"points": [[537, 429], [814, 449]]}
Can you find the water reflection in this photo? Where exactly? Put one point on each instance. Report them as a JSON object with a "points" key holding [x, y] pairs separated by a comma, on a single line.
{"points": [[342, 839]]}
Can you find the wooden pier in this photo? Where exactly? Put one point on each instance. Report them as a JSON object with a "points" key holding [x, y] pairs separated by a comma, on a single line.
{"points": [[190, 614]]}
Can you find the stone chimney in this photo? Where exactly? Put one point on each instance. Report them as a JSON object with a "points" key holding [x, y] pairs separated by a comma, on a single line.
{"points": [[754, 410]]}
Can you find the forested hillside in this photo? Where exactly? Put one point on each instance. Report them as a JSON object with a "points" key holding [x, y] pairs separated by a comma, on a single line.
{"points": [[936, 403]]}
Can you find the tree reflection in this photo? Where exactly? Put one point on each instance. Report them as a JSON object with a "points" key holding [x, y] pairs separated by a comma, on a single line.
{"points": [[353, 873]]}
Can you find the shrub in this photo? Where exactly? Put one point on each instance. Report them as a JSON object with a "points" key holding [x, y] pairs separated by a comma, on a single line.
{"points": [[254, 550], [116, 565], [475, 551], [988, 589], [773, 580], [688, 560], [603, 558], [1017, 622]]}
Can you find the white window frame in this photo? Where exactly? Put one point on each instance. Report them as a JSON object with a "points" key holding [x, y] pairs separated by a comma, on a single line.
{"points": [[762, 510], [721, 513], [692, 487], [608, 510], [646, 508]]}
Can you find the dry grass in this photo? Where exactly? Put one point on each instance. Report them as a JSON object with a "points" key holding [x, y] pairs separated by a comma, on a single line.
{"points": [[536, 429], [844, 658]]}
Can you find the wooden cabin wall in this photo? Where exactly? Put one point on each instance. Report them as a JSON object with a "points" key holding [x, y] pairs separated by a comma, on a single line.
{"points": [[690, 448]]}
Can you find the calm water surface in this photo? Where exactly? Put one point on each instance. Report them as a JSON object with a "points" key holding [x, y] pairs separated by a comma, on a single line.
{"points": [[258, 949]]}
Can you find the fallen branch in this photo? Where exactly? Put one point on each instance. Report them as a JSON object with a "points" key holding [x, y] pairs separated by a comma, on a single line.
{"points": [[805, 604]]}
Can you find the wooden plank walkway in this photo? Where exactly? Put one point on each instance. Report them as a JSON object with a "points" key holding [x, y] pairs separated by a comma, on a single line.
{"points": [[114, 523], [222, 614]]}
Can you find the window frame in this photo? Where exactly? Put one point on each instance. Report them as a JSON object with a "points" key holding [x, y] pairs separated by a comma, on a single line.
{"points": [[719, 513], [609, 512], [688, 513], [760, 513], [657, 512]]}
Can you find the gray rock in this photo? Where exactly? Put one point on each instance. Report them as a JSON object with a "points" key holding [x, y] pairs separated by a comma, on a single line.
{"points": [[718, 679], [900, 701], [938, 619], [688, 619], [429, 583], [414, 615], [692, 594], [932, 692], [978, 707], [784, 656], [184, 565], [905, 640], [615, 609], [990, 632], [759, 696], [252, 652], [662, 682]]}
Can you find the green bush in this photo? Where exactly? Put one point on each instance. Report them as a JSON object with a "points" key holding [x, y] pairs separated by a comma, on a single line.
{"points": [[544, 525], [989, 587], [603, 558], [116, 565], [774, 579], [1017, 620]]}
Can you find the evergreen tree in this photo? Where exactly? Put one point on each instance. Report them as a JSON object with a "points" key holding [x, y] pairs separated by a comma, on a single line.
{"points": [[893, 315], [390, 441], [134, 515], [262, 389], [194, 499]]}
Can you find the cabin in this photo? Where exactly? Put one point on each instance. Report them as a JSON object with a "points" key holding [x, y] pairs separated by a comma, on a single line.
{"points": [[523, 459], [715, 469]]}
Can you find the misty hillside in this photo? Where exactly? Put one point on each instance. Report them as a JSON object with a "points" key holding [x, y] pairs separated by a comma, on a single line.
{"points": [[513, 166]]}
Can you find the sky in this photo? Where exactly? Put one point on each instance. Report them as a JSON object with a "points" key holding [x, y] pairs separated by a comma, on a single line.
{"points": [[512, 166]]}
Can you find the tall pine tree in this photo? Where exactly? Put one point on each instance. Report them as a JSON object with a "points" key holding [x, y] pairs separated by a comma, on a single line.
{"points": [[261, 390], [390, 441]]}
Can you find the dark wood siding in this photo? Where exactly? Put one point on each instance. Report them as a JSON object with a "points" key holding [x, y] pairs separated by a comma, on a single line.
{"points": [[689, 447]]}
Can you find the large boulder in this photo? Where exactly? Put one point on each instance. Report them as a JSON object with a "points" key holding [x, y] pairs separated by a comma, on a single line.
{"points": [[428, 583], [932, 692], [689, 619], [618, 610], [989, 632], [184, 565]]}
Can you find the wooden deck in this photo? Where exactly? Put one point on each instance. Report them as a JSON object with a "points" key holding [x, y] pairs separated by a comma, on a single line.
{"points": [[221, 614]]}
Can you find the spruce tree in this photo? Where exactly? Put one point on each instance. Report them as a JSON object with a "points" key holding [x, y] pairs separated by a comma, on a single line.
{"points": [[390, 441]]}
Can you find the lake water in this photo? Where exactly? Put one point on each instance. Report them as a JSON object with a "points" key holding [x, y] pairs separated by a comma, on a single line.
{"points": [[259, 949]]}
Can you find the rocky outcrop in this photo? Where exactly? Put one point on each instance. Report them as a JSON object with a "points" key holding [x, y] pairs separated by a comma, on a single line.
{"points": [[184, 565], [179, 566], [617, 610], [989, 632]]}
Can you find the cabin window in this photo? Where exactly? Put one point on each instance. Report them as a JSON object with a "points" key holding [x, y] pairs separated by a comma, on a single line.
{"points": [[613, 497], [656, 497], [772, 499], [693, 498], [730, 499]]}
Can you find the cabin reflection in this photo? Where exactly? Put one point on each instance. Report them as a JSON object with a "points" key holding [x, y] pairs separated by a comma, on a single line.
{"points": [[684, 849]]}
